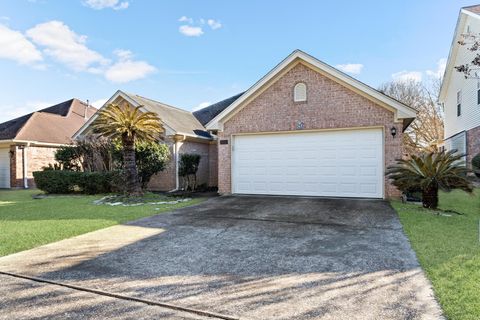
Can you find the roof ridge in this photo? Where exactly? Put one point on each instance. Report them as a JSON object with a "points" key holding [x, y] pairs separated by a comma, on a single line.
{"points": [[162, 103], [24, 126]]}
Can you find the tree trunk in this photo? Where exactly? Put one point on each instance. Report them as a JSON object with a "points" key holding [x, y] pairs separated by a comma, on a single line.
{"points": [[430, 197], [132, 184]]}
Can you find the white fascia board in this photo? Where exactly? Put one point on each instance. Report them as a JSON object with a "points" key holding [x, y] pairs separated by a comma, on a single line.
{"points": [[401, 110], [194, 136], [117, 94], [92, 118], [39, 143], [453, 53], [168, 130]]}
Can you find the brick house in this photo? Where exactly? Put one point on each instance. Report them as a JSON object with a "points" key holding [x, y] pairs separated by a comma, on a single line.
{"points": [[28, 143], [183, 133], [305, 128], [308, 129], [460, 96]]}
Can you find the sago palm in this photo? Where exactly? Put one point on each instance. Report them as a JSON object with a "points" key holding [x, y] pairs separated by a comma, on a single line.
{"points": [[128, 124], [430, 172]]}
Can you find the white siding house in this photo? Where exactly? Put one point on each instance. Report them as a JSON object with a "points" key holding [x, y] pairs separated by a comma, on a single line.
{"points": [[459, 96]]}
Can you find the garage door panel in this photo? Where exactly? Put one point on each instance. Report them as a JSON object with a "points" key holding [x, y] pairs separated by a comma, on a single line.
{"points": [[336, 163], [368, 188]]}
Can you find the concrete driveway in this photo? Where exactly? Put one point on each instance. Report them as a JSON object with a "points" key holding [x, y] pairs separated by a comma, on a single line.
{"points": [[246, 257]]}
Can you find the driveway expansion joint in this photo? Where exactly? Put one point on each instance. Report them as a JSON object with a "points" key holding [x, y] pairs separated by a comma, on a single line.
{"points": [[123, 297]]}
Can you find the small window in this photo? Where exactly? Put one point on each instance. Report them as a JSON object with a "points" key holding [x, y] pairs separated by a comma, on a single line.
{"points": [[459, 103], [468, 29], [300, 92]]}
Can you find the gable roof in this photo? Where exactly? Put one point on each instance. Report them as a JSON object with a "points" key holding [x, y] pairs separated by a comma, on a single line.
{"points": [[181, 121], [178, 121], [470, 11], [400, 110], [205, 115], [55, 124]]}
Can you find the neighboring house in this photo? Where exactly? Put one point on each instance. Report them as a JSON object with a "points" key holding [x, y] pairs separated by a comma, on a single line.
{"points": [[460, 97], [184, 133], [305, 128], [28, 143]]}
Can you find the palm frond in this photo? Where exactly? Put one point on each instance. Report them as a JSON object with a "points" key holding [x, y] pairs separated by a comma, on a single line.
{"points": [[115, 121], [442, 170]]}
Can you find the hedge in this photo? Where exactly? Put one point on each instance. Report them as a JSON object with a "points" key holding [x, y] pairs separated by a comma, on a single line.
{"points": [[63, 181]]}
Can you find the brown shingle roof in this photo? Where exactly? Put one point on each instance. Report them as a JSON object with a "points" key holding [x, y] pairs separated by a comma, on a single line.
{"points": [[55, 124], [181, 121], [474, 8]]}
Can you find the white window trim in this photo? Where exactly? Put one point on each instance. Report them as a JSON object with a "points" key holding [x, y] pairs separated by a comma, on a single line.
{"points": [[300, 96]]}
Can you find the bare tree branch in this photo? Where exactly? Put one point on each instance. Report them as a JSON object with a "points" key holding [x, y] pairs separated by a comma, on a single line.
{"points": [[426, 131]]}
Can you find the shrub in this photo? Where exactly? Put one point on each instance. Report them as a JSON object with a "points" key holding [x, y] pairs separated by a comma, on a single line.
{"points": [[95, 182], [56, 181], [476, 165], [188, 167], [69, 158], [64, 181], [151, 158]]}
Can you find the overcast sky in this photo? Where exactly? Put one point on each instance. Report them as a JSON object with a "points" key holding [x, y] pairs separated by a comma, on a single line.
{"points": [[192, 53]]}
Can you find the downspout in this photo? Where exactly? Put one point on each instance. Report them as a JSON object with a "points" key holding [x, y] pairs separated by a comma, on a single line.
{"points": [[176, 149], [25, 166]]}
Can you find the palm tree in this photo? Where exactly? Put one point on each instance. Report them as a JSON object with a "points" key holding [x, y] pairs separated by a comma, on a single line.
{"points": [[430, 172], [128, 124]]}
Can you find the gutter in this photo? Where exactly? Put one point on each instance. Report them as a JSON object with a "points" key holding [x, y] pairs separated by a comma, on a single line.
{"points": [[37, 143]]}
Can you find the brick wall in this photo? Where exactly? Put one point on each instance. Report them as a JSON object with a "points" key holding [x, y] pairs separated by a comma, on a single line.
{"points": [[203, 150], [166, 180], [473, 144], [329, 105], [37, 158]]}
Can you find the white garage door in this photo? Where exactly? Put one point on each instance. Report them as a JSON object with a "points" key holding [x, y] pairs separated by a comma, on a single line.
{"points": [[4, 168], [332, 163]]}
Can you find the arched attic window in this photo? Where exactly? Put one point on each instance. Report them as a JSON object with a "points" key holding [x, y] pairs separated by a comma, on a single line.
{"points": [[300, 92]]}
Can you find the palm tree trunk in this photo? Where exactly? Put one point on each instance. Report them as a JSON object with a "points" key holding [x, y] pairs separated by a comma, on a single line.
{"points": [[132, 184], [430, 197]]}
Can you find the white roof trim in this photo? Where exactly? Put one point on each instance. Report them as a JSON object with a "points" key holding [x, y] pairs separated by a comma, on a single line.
{"points": [[401, 111], [453, 52], [34, 143], [92, 118], [125, 96]]}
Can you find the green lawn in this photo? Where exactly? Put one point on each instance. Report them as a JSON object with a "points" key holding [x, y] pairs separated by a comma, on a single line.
{"points": [[448, 249], [26, 222]]}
